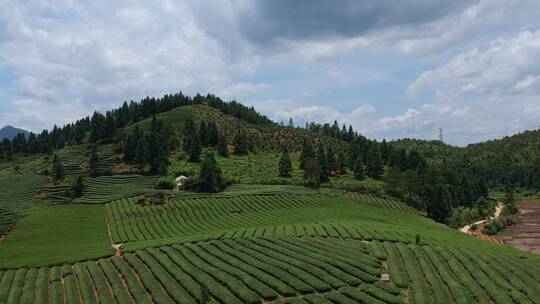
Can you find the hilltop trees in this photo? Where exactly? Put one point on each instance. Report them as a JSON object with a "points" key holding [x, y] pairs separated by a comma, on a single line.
{"points": [[149, 149], [285, 165]]}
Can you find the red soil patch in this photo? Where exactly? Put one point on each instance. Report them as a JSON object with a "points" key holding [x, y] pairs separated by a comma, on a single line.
{"points": [[525, 235]]}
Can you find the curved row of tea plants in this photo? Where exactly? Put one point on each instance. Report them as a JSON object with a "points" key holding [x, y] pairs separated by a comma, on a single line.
{"points": [[435, 274], [18, 196], [104, 189], [246, 271]]}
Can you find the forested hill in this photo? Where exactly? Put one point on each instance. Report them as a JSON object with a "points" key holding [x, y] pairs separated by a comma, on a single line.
{"points": [[151, 136], [510, 161]]}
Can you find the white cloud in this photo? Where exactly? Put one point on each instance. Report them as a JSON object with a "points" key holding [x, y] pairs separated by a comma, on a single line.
{"points": [[97, 55], [244, 89], [503, 67]]}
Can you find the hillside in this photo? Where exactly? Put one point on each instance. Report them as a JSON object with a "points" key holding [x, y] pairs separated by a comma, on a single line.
{"points": [[10, 132], [513, 160], [264, 137], [99, 220]]}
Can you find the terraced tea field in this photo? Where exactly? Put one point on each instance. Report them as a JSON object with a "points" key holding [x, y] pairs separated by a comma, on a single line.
{"points": [[18, 196], [250, 244], [104, 189], [224, 272]]}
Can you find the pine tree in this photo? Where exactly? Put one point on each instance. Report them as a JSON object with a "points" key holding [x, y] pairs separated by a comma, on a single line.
{"points": [[141, 152], [312, 172], [240, 143], [509, 202], [285, 165], [374, 163], [203, 134], [210, 176], [306, 153], [195, 153], [93, 163], [213, 134], [341, 162], [323, 165], [358, 169], [58, 168], [78, 186], [222, 146], [331, 159]]}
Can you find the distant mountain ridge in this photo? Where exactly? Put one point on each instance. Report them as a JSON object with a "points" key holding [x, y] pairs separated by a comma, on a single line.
{"points": [[10, 132]]}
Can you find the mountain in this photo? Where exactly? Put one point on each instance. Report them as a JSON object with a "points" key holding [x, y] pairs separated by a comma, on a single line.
{"points": [[10, 132]]}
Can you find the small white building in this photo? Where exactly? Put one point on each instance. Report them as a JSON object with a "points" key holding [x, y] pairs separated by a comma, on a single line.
{"points": [[385, 277], [180, 180]]}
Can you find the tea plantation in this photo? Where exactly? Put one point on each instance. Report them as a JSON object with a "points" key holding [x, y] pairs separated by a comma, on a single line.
{"points": [[248, 244]]}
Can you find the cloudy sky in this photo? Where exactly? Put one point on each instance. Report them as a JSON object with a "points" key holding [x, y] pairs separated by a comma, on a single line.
{"points": [[390, 68]]}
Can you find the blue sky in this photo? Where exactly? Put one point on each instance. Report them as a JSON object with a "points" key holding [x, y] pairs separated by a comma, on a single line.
{"points": [[391, 69]]}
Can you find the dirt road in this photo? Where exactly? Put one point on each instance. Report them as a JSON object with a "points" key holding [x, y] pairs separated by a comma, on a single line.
{"points": [[467, 228]]}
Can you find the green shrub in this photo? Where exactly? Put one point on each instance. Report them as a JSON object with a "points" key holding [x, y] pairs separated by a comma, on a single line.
{"points": [[166, 183]]}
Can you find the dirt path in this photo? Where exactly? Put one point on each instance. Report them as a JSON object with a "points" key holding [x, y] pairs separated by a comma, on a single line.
{"points": [[467, 228], [525, 235], [114, 245]]}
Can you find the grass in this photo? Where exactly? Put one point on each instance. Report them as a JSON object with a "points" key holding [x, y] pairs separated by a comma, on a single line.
{"points": [[56, 235]]}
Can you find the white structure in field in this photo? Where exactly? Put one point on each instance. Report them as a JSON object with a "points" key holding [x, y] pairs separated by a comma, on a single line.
{"points": [[180, 180]]}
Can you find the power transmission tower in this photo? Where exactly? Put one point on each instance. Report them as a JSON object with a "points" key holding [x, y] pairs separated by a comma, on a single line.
{"points": [[440, 135]]}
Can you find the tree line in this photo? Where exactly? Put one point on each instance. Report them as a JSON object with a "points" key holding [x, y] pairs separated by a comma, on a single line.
{"points": [[103, 128]]}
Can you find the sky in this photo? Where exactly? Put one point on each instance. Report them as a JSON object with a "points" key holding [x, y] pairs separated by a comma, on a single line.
{"points": [[390, 68]]}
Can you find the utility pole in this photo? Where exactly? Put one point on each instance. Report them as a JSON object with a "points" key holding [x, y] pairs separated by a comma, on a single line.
{"points": [[440, 135]]}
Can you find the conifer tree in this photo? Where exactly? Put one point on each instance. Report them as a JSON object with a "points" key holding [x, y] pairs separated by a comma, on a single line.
{"points": [[141, 152], [213, 134], [222, 146], [240, 143], [341, 162], [93, 163], [58, 168], [306, 153], [203, 134], [331, 159], [285, 165], [358, 169], [78, 186], [323, 165], [195, 153], [509, 202], [374, 164], [312, 172], [210, 176]]}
